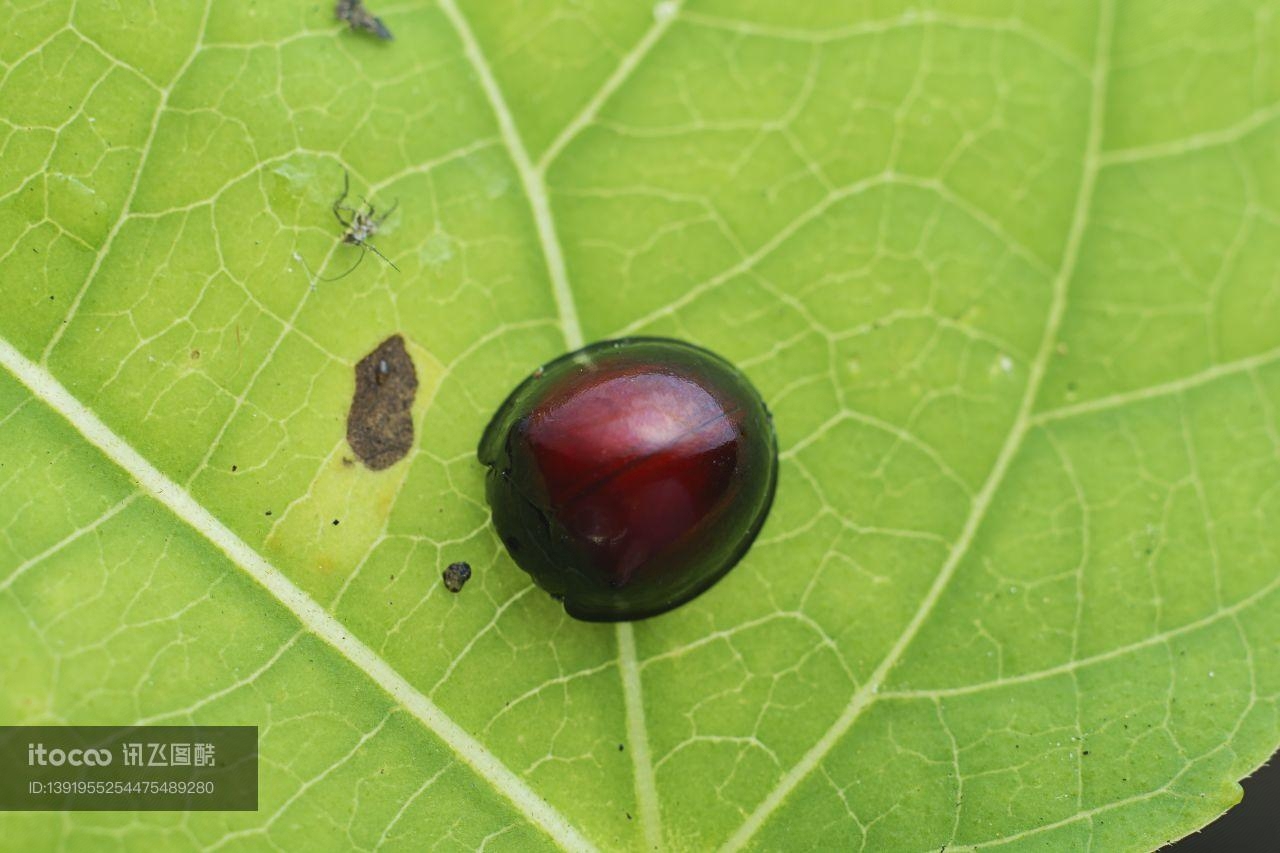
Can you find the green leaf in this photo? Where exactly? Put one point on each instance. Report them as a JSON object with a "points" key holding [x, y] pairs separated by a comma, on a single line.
{"points": [[1005, 272]]}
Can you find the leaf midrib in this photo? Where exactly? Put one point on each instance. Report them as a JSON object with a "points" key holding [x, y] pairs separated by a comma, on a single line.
{"points": [[48, 390]]}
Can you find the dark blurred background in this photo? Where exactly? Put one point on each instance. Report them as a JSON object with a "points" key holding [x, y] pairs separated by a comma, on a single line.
{"points": [[1253, 826]]}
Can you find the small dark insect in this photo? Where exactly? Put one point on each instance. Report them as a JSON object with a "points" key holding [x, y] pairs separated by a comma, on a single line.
{"points": [[359, 225], [360, 19], [456, 575]]}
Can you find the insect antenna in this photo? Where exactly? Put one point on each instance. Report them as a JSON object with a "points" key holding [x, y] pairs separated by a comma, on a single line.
{"points": [[349, 271], [375, 250]]}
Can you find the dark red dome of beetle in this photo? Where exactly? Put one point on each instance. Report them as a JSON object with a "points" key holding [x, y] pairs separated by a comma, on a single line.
{"points": [[629, 476]]}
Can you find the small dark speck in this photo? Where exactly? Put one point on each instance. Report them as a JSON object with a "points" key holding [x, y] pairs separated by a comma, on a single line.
{"points": [[1086, 752], [456, 576], [347, 462], [628, 814], [619, 747], [335, 522], [234, 468], [51, 297], [268, 512]]}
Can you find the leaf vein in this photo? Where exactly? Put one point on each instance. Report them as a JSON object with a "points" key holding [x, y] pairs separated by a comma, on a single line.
{"points": [[867, 693], [143, 156], [309, 613]]}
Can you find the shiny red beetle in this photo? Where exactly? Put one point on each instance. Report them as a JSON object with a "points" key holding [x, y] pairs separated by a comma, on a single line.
{"points": [[629, 476]]}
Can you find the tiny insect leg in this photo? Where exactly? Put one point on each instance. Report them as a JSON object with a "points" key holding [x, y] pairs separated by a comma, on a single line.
{"points": [[390, 210], [339, 207]]}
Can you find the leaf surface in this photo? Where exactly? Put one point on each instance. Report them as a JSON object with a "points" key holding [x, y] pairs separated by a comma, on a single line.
{"points": [[1006, 274]]}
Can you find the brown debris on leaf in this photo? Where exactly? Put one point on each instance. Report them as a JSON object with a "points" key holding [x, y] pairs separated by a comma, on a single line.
{"points": [[360, 19], [380, 422]]}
